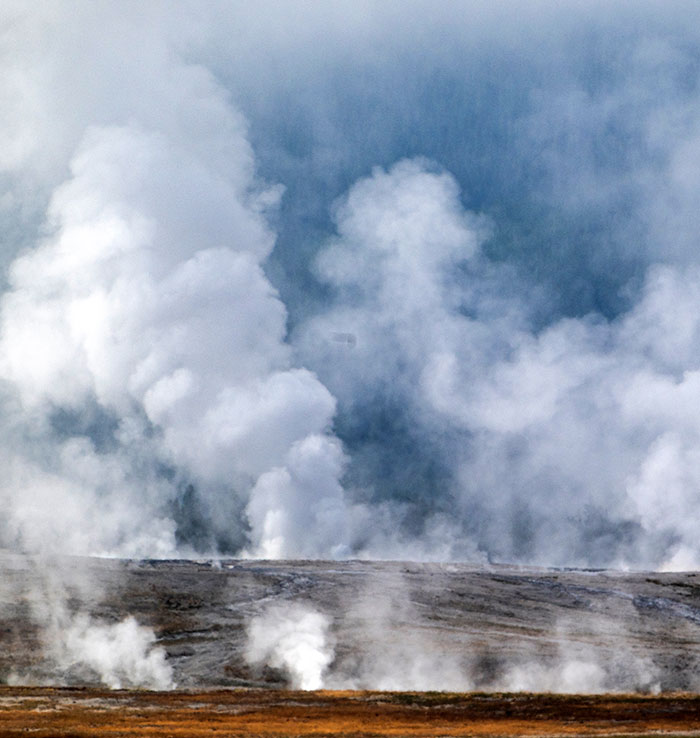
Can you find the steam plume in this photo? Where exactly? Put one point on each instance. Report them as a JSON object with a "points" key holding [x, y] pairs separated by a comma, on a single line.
{"points": [[495, 207], [77, 647], [151, 308], [294, 639]]}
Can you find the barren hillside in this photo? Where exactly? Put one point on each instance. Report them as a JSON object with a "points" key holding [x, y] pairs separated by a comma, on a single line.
{"points": [[385, 625]]}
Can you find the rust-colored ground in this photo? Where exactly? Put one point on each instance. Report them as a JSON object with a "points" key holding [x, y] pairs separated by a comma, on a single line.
{"points": [[45, 712]]}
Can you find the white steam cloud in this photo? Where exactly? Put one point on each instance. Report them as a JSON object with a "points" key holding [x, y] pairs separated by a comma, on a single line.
{"points": [[146, 301], [121, 654], [524, 412], [322, 293], [293, 638], [77, 647], [132, 310]]}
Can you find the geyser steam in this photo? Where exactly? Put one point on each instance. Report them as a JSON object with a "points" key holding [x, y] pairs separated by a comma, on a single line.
{"points": [[384, 640], [146, 304], [294, 638], [76, 646], [121, 654], [498, 208]]}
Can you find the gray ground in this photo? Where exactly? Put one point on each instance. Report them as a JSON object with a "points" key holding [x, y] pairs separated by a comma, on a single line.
{"points": [[391, 625]]}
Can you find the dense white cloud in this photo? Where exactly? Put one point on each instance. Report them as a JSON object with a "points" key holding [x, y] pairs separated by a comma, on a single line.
{"points": [[493, 350], [146, 298], [571, 434]]}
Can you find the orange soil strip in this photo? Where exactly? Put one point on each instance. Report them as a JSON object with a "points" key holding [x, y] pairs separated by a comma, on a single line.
{"points": [[79, 713]]}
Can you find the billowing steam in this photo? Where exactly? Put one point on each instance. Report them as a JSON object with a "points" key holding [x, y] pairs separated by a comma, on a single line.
{"points": [[521, 412], [294, 639], [150, 390], [399, 282], [121, 654], [77, 647], [134, 305]]}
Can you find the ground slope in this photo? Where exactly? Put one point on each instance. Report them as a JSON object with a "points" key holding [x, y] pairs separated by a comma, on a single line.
{"points": [[392, 625]]}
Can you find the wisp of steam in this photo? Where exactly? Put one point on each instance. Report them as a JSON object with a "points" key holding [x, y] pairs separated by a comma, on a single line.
{"points": [[389, 646]]}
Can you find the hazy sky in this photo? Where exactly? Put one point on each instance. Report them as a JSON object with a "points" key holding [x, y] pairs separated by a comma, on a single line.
{"points": [[388, 279]]}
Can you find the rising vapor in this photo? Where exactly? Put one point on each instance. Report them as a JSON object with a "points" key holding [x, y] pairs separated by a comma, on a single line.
{"points": [[371, 280]]}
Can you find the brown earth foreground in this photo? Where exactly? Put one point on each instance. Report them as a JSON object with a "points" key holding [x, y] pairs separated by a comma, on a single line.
{"points": [[44, 712]]}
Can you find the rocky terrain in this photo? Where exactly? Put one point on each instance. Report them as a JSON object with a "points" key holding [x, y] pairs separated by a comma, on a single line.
{"points": [[378, 625]]}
